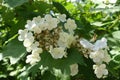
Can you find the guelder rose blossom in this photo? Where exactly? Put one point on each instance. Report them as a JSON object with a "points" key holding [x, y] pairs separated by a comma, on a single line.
{"points": [[56, 35], [46, 33], [98, 53]]}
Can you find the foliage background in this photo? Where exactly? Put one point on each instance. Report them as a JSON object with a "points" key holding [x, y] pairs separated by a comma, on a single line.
{"points": [[92, 23]]}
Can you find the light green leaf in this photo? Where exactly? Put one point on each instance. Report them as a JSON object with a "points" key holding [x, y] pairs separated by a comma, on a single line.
{"points": [[106, 10], [14, 50], [116, 34], [14, 3], [97, 24]]}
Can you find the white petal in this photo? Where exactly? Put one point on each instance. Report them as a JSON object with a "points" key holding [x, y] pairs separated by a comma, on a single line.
{"points": [[62, 17], [86, 44], [99, 44], [37, 50], [28, 42], [57, 52]]}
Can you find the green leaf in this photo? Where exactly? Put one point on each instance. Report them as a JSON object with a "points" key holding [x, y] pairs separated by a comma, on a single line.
{"points": [[117, 58], [14, 50], [48, 76], [73, 57], [106, 10], [14, 3], [114, 69], [61, 9], [97, 24], [63, 64], [116, 34]]}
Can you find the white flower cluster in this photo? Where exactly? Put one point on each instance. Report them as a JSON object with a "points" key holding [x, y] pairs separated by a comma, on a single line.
{"points": [[47, 34], [100, 70], [98, 53]]}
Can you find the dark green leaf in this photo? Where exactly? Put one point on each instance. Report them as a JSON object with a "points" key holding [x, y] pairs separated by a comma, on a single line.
{"points": [[73, 57], [63, 64], [61, 9], [14, 50], [117, 58]]}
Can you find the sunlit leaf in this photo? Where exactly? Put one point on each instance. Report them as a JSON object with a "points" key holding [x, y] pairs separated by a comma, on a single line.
{"points": [[14, 50], [116, 34]]}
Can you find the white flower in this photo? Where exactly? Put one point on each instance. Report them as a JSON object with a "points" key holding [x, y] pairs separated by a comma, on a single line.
{"points": [[100, 70], [36, 29], [32, 47], [36, 24], [29, 24], [86, 44], [29, 39], [25, 36], [62, 17], [28, 42], [57, 52], [43, 25], [74, 69], [107, 57], [51, 22], [70, 25], [37, 51], [28, 35], [22, 34], [33, 58], [65, 40], [36, 20], [97, 56], [100, 56]]}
